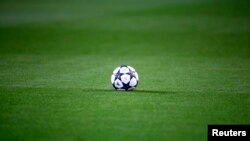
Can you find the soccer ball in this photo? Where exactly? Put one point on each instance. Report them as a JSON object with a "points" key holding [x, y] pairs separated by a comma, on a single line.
{"points": [[124, 78]]}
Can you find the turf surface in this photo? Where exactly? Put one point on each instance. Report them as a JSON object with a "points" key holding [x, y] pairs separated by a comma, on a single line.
{"points": [[56, 59]]}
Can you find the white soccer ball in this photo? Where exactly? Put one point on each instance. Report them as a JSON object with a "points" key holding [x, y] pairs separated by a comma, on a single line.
{"points": [[124, 78]]}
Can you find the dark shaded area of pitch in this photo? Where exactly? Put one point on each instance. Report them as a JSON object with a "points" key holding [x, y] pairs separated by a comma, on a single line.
{"points": [[134, 91]]}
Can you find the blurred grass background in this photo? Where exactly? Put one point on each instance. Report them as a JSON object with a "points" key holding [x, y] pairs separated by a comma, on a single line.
{"points": [[56, 58]]}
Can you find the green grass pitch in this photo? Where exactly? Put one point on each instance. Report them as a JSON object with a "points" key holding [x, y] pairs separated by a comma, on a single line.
{"points": [[56, 59]]}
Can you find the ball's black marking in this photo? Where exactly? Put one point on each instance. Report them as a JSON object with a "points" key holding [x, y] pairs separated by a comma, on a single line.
{"points": [[123, 66]]}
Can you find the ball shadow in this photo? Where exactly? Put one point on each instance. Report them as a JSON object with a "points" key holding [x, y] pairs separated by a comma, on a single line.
{"points": [[133, 91]]}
